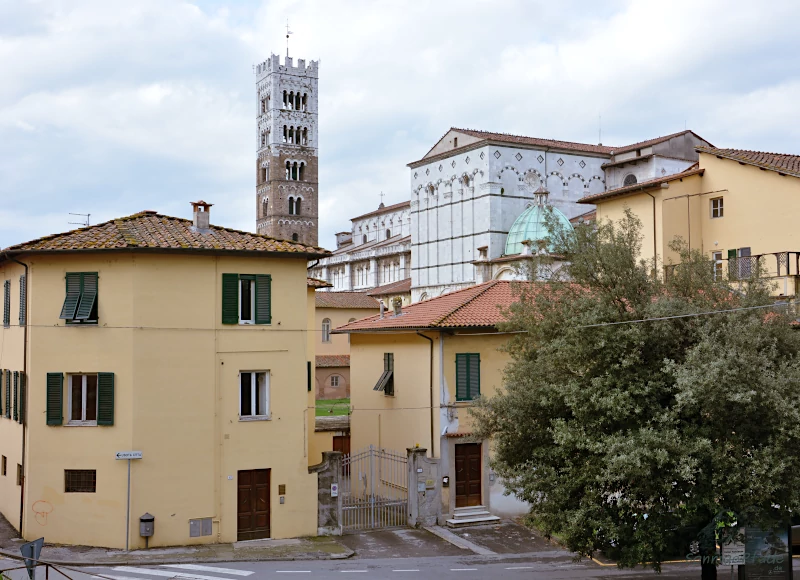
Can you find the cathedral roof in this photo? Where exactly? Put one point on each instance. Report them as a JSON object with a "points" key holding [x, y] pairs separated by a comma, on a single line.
{"points": [[530, 225], [384, 209]]}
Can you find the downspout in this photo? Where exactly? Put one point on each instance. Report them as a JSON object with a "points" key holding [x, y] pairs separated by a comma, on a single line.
{"points": [[430, 383], [27, 389], [655, 252]]}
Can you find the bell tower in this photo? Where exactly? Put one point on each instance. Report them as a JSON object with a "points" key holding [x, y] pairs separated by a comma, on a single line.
{"points": [[287, 186]]}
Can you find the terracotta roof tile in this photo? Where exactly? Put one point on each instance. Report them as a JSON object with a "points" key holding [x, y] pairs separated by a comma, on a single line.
{"points": [[589, 216], [332, 360], [314, 283], [654, 141], [521, 139], [476, 306], [692, 170], [346, 300], [780, 162], [153, 231], [393, 288]]}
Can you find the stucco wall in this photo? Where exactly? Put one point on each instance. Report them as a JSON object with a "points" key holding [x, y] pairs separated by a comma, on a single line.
{"points": [[176, 399], [339, 343]]}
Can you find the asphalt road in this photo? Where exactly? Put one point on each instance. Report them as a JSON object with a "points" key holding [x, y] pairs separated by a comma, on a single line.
{"points": [[438, 568]]}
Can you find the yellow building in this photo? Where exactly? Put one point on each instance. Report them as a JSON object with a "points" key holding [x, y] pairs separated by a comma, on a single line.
{"points": [[173, 338], [736, 206], [414, 376]]}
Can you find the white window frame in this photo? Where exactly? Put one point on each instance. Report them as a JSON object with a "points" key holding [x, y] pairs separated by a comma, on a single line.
{"points": [[82, 422], [326, 330], [716, 257], [254, 396], [252, 283], [334, 380], [720, 209]]}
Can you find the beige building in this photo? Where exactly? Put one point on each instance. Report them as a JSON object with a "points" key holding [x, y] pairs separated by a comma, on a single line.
{"points": [[736, 206], [174, 338], [414, 377]]}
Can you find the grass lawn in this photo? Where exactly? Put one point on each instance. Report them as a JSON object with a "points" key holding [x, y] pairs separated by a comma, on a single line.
{"points": [[339, 406]]}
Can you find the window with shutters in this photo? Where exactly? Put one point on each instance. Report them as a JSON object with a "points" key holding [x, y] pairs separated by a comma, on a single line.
{"points": [[6, 378], [23, 299], [253, 395], [90, 399], [468, 376], [246, 299], [80, 303], [386, 382], [80, 481], [7, 303]]}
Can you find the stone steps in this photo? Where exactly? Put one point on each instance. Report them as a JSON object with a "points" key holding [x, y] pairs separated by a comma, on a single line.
{"points": [[471, 516]]}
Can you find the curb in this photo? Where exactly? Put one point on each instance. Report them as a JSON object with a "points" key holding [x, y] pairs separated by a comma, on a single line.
{"points": [[83, 564]]}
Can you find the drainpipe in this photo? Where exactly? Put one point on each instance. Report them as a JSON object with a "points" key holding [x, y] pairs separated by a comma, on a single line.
{"points": [[655, 253], [27, 389], [430, 383]]}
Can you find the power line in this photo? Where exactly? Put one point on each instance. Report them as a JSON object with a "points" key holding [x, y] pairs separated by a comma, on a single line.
{"points": [[683, 315]]}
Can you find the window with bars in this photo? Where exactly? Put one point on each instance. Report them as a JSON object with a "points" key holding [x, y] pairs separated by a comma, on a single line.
{"points": [[468, 376], [717, 208], [246, 299], [80, 303], [386, 382], [80, 481], [253, 394]]}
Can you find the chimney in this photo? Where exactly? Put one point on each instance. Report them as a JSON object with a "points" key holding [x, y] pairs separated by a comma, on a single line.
{"points": [[383, 308], [201, 211], [397, 304]]}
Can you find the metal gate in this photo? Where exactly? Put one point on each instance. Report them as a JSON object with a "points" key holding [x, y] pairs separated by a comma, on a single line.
{"points": [[374, 488]]}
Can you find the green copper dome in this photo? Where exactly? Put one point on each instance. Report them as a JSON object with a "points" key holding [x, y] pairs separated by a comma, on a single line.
{"points": [[530, 226]]}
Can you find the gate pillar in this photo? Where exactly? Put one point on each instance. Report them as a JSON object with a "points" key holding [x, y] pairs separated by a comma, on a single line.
{"points": [[329, 497], [424, 489]]}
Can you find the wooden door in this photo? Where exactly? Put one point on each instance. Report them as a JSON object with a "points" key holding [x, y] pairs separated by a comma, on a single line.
{"points": [[342, 443], [253, 499], [468, 474]]}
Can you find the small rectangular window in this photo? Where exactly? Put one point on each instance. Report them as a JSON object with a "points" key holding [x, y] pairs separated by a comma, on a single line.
{"points": [[716, 208], [716, 257], [4, 466], [386, 382], [80, 481], [253, 394], [82, 400], [455, 141], [335, 381]]}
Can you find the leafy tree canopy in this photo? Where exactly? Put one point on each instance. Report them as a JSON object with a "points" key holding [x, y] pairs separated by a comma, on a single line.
{"points": [[620, 436]]}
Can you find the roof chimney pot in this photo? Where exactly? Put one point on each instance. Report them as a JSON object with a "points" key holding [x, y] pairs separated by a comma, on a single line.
{"points": [[201, 211]]}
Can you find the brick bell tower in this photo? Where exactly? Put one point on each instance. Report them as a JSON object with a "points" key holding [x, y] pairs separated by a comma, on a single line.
{"points": [[287, 186]]}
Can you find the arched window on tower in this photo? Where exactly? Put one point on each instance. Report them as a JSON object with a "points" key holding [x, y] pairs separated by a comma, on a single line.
{"points": [[301, 170], [285, 134], [297, 206], [291, 134], [388, 234], [291, 206], [630, 179], [294, 171], [365, 238], [297, 101], [295, 237], [305, 136], [305, 101], [264, 207], [288, 170]]}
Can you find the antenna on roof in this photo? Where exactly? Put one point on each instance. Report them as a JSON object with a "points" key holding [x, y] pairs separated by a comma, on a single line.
{"points": [[288, 32], [599, 129], [84, 223]]}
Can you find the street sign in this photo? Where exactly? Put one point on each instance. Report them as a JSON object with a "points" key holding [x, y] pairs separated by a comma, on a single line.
{"points": [[128, 455], [31, 552], [334, 490], [733, 554]]}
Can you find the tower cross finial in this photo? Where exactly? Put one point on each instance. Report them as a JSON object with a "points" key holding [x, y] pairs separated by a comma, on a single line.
{"points": [[382, 196], [288, 32]]}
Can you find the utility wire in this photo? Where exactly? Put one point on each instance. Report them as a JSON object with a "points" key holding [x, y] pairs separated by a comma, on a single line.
{"points": [[684, 315]]}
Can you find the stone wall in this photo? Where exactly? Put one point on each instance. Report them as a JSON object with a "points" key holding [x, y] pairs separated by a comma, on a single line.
{"points": [[329, 520]]}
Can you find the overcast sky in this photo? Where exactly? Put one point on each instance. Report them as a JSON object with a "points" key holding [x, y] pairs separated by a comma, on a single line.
{"points": [[110, 107]]}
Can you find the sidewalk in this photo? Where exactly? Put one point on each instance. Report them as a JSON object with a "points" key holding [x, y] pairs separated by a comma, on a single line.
{"points": [[321, 548]]}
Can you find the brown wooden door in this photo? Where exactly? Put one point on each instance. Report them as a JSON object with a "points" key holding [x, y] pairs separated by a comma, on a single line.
{"points": [[253, 499], [468, 474], [342, 443]]}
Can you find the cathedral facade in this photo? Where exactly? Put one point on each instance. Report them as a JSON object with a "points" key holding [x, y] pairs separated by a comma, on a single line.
{"points": [[287, 184]]}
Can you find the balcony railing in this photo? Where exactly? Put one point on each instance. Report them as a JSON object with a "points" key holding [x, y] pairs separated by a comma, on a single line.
{"points": [[774, 265]]}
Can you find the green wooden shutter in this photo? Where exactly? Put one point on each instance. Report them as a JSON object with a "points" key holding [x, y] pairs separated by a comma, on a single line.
{"points": [[16, 396], [462, 377], [73, 296], [7, 303], [3, 404], [8, 393], [21, 397], [88, 296], [474, 376], [230, 299], [263, 299], [55, 395], [105, 398], [23, 299]]}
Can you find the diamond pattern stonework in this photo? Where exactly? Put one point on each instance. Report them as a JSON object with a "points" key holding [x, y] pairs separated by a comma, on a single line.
{"points": [[497, 155], [582, 164], [540, 158], [483, 155], [453, 164], [518, 157], [560, 161], [466, 160]]}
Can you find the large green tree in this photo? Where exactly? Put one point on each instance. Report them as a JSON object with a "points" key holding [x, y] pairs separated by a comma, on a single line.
{"points": [[624, 435]]}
